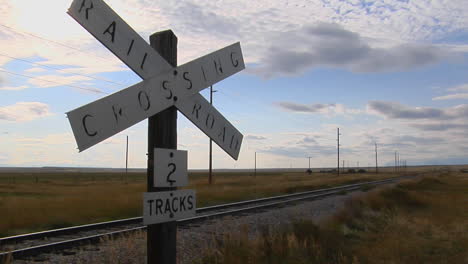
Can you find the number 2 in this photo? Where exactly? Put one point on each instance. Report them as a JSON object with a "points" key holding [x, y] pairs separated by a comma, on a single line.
{"points": [[168, 179]]}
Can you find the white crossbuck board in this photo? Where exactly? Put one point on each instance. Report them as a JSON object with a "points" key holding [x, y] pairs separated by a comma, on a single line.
{"points": [[170, 168], [163, 85], [160, 207], [212, 123]]}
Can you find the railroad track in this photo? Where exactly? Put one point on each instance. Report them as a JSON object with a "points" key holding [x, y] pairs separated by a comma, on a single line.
{"points": [[28, 245]]}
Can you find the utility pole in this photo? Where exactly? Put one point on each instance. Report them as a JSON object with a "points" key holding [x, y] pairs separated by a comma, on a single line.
{"points": [[255, 160], [395, 162], [309, 163], [376, 165], [210, 170], [398, 161], [126, 158], [338, 147]]}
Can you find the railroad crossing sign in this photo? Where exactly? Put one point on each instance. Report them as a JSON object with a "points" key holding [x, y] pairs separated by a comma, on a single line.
{"points": [[162, 86]]}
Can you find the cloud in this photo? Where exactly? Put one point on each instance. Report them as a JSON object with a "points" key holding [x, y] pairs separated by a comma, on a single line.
{"points": [[423, 118], [300, 145], [459, 88], [461, 93], [440, 126], [13, 88], [315, 108], [303, 108], [35, 69], [299, 151], [451, 96], [50, 80], [418, 140], [399, 111], [24, 111], [255, 137], [331, 45]]}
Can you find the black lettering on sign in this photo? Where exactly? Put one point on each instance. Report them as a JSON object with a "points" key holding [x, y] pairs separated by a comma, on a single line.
{"points": [[190, 202], [144, 105], [182, 203], [150, 206], [174, 208], [159, 204], [117, 112], [209, 121], [164, 83], [168, 179], [232, 142], [82, 5], [222, 134], [236, 63], [83, 121], [196, 108], [187, 79], [111, 30], [167, 207], [218, 67], [87, 9], [131, 46], [143, 61], [203, 71]]}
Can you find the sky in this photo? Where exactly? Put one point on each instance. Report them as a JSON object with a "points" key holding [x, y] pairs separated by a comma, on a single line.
{"points": [[387, 73]]}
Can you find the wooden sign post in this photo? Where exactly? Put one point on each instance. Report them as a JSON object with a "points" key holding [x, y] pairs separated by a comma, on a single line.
{"points": [[162, 133], [165, 89]]}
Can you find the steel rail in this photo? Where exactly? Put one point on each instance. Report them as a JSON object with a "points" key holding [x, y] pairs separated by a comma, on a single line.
{"points": [[288, 198]]}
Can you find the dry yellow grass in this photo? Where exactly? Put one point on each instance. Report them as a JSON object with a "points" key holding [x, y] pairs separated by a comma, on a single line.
{"points": [[33, 202], [419, 221]]}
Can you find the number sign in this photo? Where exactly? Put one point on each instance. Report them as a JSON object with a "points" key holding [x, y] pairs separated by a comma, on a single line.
{"points": [[170, 168]]}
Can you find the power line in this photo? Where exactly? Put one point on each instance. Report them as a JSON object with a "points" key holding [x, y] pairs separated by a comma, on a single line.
{"points": [[54, 42], [69, 85], [62, 70]]}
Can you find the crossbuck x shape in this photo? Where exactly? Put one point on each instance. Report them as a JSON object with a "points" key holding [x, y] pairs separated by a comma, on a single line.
{"points": [[162, 86]]}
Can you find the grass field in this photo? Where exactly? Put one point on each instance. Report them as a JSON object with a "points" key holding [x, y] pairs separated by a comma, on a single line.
{"points": [[33, 201], [417, 221]]}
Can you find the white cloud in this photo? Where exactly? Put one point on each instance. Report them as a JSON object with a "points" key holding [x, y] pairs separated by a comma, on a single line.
{"points": [[461, 92], [331, 45], [326, 109], [451, 96], [44, 81], [453, 118], [24, 111], [459, 88], [204, 26], [13, 88], [35, 69], [254, 137]]}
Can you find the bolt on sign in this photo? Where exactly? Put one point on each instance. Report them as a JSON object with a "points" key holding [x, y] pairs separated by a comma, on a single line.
{"points": [[163, 86]]}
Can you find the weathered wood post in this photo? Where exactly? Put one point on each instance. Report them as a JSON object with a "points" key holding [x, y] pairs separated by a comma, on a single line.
{"points": [[162, 133]]}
